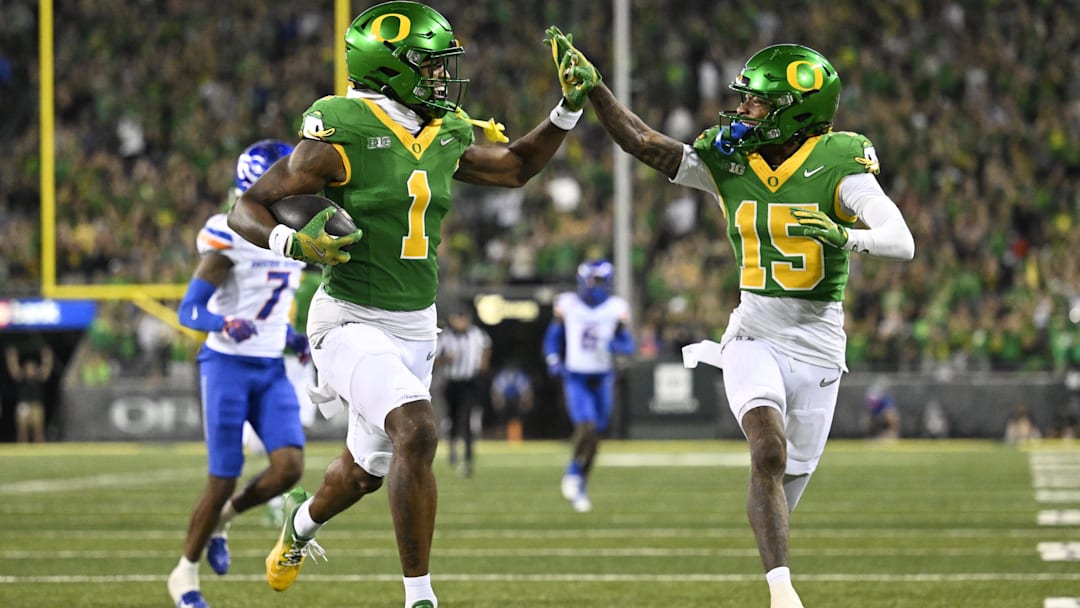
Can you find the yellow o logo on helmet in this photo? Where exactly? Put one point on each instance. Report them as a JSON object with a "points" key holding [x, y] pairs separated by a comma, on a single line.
{"points": [[793, 75], [404, 26]]}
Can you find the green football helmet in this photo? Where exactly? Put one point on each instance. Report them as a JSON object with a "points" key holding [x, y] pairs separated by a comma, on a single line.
{"points": [[801, 86], [398, 48]]}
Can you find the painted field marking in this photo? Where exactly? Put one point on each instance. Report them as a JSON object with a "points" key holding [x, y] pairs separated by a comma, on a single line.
{"points": [[689, 459], [1055, 480], [105, 480], [1057, 496], [734, 531], [1059, 552], [1055, 477], [1059, 517], [610, 553], [960, 577]]}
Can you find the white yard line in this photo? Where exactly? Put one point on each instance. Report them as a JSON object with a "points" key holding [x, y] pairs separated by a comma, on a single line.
{"points": [[1056, 478], [631, 552], [960, 577], [96, 482], [571, 533]]}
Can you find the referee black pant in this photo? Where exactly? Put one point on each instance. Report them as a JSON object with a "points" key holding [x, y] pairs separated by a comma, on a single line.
{"points": [[461, 397]]}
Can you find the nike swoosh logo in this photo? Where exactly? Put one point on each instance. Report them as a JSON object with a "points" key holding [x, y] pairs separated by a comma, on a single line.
{"points": [[318, 252], [430, 356], [810, 173], [825, 382], [445, 140]]}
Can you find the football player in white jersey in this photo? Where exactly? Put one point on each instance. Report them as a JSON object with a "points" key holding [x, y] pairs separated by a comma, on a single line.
{"points": [[589, 328], [241, 295]]}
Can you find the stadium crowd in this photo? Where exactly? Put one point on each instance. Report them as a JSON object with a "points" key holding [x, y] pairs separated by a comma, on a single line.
{"points": [[975, 115]]}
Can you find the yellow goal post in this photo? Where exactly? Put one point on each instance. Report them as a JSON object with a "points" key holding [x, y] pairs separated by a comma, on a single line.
{"points": [[147, 296]]}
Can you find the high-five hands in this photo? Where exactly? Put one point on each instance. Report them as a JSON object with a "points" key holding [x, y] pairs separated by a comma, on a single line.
{"points": [[819, 226], [577, 75]]}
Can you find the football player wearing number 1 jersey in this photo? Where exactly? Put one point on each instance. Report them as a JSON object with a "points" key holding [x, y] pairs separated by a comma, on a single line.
{"points": [[241, 295], [387, 152], [791, 190]]}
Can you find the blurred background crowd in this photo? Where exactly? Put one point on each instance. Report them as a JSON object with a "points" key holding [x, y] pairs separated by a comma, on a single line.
{"points": [[974, 108]]}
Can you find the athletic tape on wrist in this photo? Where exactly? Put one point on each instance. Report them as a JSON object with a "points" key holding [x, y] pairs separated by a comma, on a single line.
{"points": [[565, 118], [279, 239]]}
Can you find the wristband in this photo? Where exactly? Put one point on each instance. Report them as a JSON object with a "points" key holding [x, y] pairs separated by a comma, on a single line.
{"points": [[279, 239], [563, 117]]}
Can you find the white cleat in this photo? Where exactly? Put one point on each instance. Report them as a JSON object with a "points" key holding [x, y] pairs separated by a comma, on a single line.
{"points": [[581, 503], [571, 486], [573, 490]]}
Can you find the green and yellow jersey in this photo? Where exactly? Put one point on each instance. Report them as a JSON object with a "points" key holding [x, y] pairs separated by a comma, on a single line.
{"points": [[397, 189], [775, 259], [792, 285]]}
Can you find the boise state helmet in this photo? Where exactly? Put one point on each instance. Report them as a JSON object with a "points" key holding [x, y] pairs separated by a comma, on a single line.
{"points": [[398, 48], [799, 83], [256, 159], [595, 280]]}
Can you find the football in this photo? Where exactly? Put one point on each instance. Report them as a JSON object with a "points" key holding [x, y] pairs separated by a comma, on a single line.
{"points": [[297, 210]]}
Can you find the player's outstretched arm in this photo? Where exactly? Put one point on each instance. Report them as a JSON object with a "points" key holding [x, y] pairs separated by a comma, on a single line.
{"points": [[514, 165], [638, 139]]}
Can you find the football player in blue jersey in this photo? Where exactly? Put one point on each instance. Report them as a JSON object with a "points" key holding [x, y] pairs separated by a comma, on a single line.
{"points": [[241, 295], [589, 328]]}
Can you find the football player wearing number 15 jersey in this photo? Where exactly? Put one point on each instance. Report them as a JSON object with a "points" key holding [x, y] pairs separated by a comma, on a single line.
{"points": [[241, 295], [791, 190]]}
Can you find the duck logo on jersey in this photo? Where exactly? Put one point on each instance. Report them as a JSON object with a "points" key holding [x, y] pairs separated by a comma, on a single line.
{"points": [[313, 127], [869, 160]]}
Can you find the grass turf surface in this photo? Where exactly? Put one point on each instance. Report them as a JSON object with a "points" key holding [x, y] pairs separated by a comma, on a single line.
{"points": [[905, 525]]}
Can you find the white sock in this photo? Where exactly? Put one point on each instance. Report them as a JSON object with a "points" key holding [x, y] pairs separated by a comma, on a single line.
{"points": [[419, 588], [183, 578], [304, 526], [224, 519], [187, 565], [781, 592]]}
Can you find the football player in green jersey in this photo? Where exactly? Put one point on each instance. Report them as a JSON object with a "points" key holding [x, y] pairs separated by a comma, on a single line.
{"points": [[387, 153], [791, 190]]}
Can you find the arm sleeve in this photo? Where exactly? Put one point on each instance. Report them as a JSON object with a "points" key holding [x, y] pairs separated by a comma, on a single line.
{"points": [[553, 341], [623, 342], [193, 312], [887, 234], [693, 173]]}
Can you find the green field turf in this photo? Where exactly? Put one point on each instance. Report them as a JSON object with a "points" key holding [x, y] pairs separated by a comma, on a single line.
{"points": [[903, 525]]}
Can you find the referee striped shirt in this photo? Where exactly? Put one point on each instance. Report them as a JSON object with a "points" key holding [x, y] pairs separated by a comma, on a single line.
{"points": [[462, 353]]}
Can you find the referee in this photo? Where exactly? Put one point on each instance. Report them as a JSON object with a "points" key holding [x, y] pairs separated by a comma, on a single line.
{"points": [[463, 355]]}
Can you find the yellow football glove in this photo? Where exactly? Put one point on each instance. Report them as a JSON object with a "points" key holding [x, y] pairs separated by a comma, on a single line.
{"points": [[313, 244], [577, 75], [819, 226]]}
